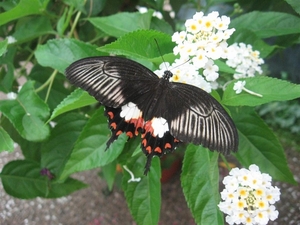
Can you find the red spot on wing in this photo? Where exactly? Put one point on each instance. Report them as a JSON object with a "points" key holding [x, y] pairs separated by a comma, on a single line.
{"points": [[113, 125], [129, 134], [168, 145], [158, 150], [119, 132], [110, 115], [149, 149]]}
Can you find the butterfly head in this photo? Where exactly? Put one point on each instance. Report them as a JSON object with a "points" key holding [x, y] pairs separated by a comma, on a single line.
{"points": [[167, 75]]}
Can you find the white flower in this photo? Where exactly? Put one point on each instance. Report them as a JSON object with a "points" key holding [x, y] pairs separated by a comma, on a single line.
{"points": [[245, 60], [142, 9], [238, 86], [11, 95], [247, 198], [11, 39]]}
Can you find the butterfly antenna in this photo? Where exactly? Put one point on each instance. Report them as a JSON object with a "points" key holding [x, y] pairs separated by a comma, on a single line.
{"points": [[160, 53]]}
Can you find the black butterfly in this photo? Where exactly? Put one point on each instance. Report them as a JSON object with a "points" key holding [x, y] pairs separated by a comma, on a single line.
{"points": [[165, 113]]}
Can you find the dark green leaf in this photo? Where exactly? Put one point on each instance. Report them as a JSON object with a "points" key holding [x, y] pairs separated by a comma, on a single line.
{"points": [[108, 172], [258, 145], [22, 179], [58, 90], [143, 197], [56, 151], [32, 27], [199, 180], [27, 113], [248, 37], [268, 24], [161, 25], [31, 150], [295, 4], [57, 190], [6, 143], [271, 89], [90, 149], [122, 23], [63, 52]]}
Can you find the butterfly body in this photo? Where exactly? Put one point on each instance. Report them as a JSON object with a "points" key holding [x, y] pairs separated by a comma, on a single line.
{"points": [[165, 113]]}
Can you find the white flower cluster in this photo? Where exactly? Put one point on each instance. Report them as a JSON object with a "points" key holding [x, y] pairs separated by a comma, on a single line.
{"points": [[203, 42], [245, 60], [248, 197]]}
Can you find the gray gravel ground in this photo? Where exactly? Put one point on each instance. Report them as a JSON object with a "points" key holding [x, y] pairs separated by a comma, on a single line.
{"points": [[92, 207]]}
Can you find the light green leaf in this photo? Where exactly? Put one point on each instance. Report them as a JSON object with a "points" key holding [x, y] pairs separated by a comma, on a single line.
{"points": [[3, 46], [6, 143], [27, 113], [75, 100], [143, 197], [24, 8], [63, 52], [144, 48], [121, 23], [268, 24], [200, 183], [258, 145], [90, 149], [271, 89]]}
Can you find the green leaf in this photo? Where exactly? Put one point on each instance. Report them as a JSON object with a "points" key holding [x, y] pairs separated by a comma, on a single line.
{"points": [[56, 151], [32, 27], [295, 4], [58, 90], [258, 145], [248, 37], [161, 25], [268, 24], [75, 100], [271, 89], [60, 53], [143, 197], [6, 143], [144, 48], [27, 113], [22, 179], [200, 183], [31, 150], [3, 46], [57, 190], [90, 149], [121, 23], [24, 8], [108, 172]]}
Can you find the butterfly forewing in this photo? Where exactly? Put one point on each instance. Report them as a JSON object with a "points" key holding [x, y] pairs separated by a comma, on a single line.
{"points": [[111, 80], [165, 113]]}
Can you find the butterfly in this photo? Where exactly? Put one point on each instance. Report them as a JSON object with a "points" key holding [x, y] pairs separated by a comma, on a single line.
{"points": [[165, 113]]}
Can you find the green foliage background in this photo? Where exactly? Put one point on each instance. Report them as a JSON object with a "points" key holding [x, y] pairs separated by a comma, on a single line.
{"points": [[50, 35]]}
